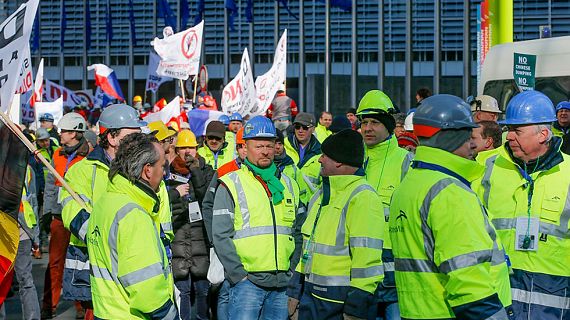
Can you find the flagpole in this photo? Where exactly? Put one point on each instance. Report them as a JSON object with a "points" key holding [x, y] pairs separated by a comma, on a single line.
{"points": [[84, 60], [226, 48], [466, 50], [108, 49], [381, 61], [131, 67], [16, 130], [302, 55], [408, 58], [437, 47], [327, 56], [354, 59]]}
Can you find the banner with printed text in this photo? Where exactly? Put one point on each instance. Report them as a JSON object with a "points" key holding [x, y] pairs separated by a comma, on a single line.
{"points": [[180, 53], [239, 95], [14, 39], [153, 79], [70, 98], [268, 83]]}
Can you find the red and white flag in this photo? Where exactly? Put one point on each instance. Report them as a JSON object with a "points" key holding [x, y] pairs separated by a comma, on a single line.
{"points": [[38, 85]]}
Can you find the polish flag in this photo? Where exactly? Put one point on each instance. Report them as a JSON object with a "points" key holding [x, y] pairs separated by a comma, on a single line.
{"points": [[106, 79], [38, 85]]}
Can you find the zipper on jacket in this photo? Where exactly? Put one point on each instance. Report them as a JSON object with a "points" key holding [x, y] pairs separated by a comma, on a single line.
{"points": [[274, 233]]}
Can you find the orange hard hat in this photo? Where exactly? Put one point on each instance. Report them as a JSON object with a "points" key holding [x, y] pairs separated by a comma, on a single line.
{"points": [[239, 136]]}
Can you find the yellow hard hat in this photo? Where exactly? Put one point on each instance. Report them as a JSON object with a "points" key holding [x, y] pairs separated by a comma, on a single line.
{"points": [[160, 131], [137, 99], [186, 138]]}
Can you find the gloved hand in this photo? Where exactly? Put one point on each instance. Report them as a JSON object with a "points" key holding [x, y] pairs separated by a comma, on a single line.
{"points": [[192, 162], [349, 317], [293, 308]]}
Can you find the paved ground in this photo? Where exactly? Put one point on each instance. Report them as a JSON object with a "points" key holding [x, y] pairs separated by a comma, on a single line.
{"points": [[65, 309]]}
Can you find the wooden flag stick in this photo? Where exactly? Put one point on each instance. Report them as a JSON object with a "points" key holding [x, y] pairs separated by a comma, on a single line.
{"points": [[182, 89], [38, 155], [195, 86]]}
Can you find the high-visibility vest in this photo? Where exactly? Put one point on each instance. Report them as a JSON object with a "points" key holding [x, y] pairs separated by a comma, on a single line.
{"points": [[342, 240], [541, 277], [449, 261], [309, 177], [130, 273], [263, 230], [62, 163], [217, 160], [322, 133]]}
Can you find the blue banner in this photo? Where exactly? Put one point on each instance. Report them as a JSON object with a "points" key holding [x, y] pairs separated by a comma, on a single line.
{"points": [[286, 6], [249, 11], [132, 23], [232, 8], [108, 21], [88, 26], [36, 33], [184, 14], [167, 14], [62, 25], [199, 11], [345, 5]]}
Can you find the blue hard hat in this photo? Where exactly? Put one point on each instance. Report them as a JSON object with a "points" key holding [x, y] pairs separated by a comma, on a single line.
{"points": [[442, 111], [529, 107], [236, 117], [119, 116], [47, 117], [259, 127], [224, 119], [563, 105]]}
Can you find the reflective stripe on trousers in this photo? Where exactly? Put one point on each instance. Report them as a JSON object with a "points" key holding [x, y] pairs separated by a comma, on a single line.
{"points": [[543, 299]]}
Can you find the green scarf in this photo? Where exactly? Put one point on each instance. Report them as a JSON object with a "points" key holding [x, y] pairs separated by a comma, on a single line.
{"points": [[268, 176]]}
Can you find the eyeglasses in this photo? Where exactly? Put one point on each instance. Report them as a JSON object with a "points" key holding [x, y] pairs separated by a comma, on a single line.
{"points": [[168, 140], [213, 138], [299, 126]]}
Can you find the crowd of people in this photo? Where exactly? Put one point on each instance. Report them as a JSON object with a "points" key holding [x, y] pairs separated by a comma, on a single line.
{"points": [[443, 212]]}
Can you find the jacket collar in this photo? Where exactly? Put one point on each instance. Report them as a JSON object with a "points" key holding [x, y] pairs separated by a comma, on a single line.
{"points": [[99, 154], [550, 159], [467, 169], [138, 191], [381, 149], [313, 148]]}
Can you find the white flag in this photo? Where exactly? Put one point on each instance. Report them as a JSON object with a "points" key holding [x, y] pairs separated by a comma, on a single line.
{"points": [[26, 80], [268, 83], [14, 37], [171, 110], [180, 53], [153, 79], [38, 84], [55, 108], [239, 95]]}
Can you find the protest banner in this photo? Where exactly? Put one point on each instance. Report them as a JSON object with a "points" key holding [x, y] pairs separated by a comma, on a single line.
{"points": [[153, 79], [239, 95]]}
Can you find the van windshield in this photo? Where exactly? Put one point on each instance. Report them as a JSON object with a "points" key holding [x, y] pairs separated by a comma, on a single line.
{"points": [[556, 88]]}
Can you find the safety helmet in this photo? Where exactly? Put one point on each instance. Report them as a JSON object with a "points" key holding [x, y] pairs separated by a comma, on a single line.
{"points": [[72, 122], [160, 131], [408, 122], [239, 136], [118, 116], [441, 112], [375, 102], [224, 119], [236, 117], [529, 107], [259, 127], [563, 105], [186, 138], [42, 134], [137, 99], [47, 117], [484, 103]]}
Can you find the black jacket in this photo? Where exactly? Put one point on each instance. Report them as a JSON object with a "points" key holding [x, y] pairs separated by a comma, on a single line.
{"points": [[190, 253]]}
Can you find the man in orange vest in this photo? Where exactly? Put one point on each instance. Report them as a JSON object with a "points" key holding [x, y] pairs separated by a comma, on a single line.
{"points": [[74, 147]]}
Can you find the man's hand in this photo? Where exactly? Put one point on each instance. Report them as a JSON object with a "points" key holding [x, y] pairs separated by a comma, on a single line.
{"points": [[183, 189], [293, 308]]}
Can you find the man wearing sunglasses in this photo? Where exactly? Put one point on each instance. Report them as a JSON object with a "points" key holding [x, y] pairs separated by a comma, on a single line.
{"points": [[216, 150], [304, 148]]}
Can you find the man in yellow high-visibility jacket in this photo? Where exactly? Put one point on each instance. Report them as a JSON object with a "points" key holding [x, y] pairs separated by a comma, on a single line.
{"points": [[130, 273], [341, 264], [526, 191], [449, 261]]}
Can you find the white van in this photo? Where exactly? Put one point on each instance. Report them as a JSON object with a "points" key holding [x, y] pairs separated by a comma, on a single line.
{"points": [[552, 69]]}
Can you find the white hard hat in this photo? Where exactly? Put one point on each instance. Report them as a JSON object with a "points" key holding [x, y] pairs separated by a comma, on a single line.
{"points": [[485, 103], [408, 123], [72, 122], [281, 87]]}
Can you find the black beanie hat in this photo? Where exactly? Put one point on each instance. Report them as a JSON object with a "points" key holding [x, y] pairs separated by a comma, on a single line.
{"points": [[387, 120], [340, 123], [345, 146]]}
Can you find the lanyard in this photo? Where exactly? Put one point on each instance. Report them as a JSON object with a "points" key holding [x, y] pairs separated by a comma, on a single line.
{"points": [[530, 184], [306, 253]]}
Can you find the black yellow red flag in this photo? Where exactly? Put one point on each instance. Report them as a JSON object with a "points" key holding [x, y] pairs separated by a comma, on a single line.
{"points": [[13, 161]]}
